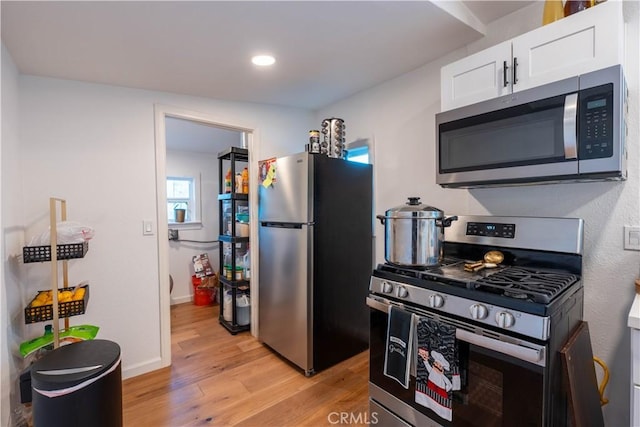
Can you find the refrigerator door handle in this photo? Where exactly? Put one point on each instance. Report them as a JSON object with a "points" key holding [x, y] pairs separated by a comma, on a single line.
{"points": [[276, 224]]}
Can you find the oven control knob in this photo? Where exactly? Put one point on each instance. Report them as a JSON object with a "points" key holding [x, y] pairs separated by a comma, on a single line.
{"points": [[402, 292], [387, 287], [479, 311], [436, 301], [505, 319]]}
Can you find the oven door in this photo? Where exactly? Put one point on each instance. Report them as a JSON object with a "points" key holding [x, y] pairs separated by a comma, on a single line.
{"points": [[505, 377]]}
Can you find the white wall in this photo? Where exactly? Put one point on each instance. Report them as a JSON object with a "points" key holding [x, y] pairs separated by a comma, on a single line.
{"points": [[185, 163], [94, 146], [400, 114], [11, 301]]}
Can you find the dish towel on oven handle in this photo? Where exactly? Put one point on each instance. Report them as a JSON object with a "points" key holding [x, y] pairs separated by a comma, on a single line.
{"points": [[399, 349], [437, 370]]}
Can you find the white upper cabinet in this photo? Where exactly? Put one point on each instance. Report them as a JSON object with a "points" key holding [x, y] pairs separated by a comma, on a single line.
{"points": [[585, 41], [475, 78]]}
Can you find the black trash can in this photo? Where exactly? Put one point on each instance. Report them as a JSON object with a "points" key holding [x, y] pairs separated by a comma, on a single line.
{"points": [[78, 385]]}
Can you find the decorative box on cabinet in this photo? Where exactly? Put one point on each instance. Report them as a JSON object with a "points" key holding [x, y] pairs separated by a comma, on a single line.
{"points": [[232, 205], [586, 41]]}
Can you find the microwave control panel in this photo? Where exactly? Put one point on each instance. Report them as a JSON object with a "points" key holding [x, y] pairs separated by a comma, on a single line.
{"points": [[596, 122], [491, 229]]}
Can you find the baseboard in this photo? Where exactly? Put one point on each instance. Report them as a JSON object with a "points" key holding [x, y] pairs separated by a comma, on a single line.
{"points": [[142, 368], [181, 300]]}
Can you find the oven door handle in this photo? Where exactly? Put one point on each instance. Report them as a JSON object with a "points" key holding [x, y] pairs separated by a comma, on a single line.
{"points": [[522, 353], [528, 354]]}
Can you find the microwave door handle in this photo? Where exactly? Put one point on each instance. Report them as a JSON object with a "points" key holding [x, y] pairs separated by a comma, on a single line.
{"points": [[570, 123]]}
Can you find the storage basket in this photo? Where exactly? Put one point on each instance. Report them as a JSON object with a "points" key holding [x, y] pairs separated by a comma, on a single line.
{"points": [[43, 253], [65, 309]]}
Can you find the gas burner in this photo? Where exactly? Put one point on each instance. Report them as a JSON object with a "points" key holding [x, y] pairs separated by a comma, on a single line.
{"points": [[515, 294], [535, 285]]}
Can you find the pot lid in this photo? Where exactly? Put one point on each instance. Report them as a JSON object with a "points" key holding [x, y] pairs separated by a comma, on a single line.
{"points": [[414, 209]]}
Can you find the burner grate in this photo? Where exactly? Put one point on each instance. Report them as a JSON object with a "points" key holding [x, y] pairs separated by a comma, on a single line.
{"points": [[535, 285], [416, 271]]}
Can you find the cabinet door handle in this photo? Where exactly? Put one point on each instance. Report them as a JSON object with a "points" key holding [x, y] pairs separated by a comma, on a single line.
{"points": [[515, 70], [504, 73]]}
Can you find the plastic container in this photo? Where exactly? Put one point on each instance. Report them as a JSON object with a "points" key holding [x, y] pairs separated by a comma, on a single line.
{"points": [[201, 295], [243, 310], [227, 182], [242, 229], [78, 385], [227, 308], [246, 262], [245, 181]]}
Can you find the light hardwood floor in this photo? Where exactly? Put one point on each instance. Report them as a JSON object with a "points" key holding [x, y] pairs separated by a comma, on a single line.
{"points": [[220, 379]]}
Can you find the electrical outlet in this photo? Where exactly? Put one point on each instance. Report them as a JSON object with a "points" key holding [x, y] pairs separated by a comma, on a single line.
{"points": [[173, 234]]}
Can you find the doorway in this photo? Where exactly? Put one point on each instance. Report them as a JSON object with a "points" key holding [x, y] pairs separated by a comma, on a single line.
{"points": [[173, 152]]}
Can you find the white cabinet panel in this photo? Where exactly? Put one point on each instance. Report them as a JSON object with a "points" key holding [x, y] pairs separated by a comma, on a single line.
{"points": [[584, 42], [475, 78]]}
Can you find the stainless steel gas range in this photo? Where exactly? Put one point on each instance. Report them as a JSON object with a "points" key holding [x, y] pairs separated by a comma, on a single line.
{"points": [[510, 321]]}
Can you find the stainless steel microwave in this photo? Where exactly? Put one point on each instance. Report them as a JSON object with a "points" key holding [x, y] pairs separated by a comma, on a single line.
{"points": [[570, 130]]}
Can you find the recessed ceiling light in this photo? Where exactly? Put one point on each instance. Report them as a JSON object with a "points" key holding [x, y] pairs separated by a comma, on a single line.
{"points": [[263, 60]]}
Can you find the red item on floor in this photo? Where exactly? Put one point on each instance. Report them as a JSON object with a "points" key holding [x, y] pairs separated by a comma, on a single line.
{"points": [[201, 295]]}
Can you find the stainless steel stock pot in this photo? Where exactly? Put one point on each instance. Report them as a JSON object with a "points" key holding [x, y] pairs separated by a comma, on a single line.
{"points": [[414, 234]]}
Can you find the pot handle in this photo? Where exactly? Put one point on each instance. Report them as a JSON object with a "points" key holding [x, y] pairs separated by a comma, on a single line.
{"points": [[382, 219], [446, 222]]}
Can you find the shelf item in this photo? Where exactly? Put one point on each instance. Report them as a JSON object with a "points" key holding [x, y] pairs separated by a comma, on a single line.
{"points": [[42, 313], [234, 235], [43, 253]]}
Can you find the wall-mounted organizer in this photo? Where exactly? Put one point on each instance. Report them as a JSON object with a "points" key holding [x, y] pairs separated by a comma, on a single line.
{"points": [[234, 239], [75, 298]]}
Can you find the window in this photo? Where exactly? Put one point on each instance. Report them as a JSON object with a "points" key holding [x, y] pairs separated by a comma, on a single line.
{"points": [[182, 193], [359, 154]]}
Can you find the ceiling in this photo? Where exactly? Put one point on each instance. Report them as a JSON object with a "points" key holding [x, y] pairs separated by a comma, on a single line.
{"points": [[325, 50]]}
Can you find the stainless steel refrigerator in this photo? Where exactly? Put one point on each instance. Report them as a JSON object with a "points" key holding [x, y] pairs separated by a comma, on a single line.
{"points": [[315, 259]]}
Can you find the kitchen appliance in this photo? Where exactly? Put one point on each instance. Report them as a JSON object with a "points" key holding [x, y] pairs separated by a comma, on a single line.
{"points": [[413, 234], [315, 252], [573, 129], [510, 321]]}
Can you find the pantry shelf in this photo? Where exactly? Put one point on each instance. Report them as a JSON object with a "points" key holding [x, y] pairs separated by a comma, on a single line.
{"points": [[233, 203]]}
